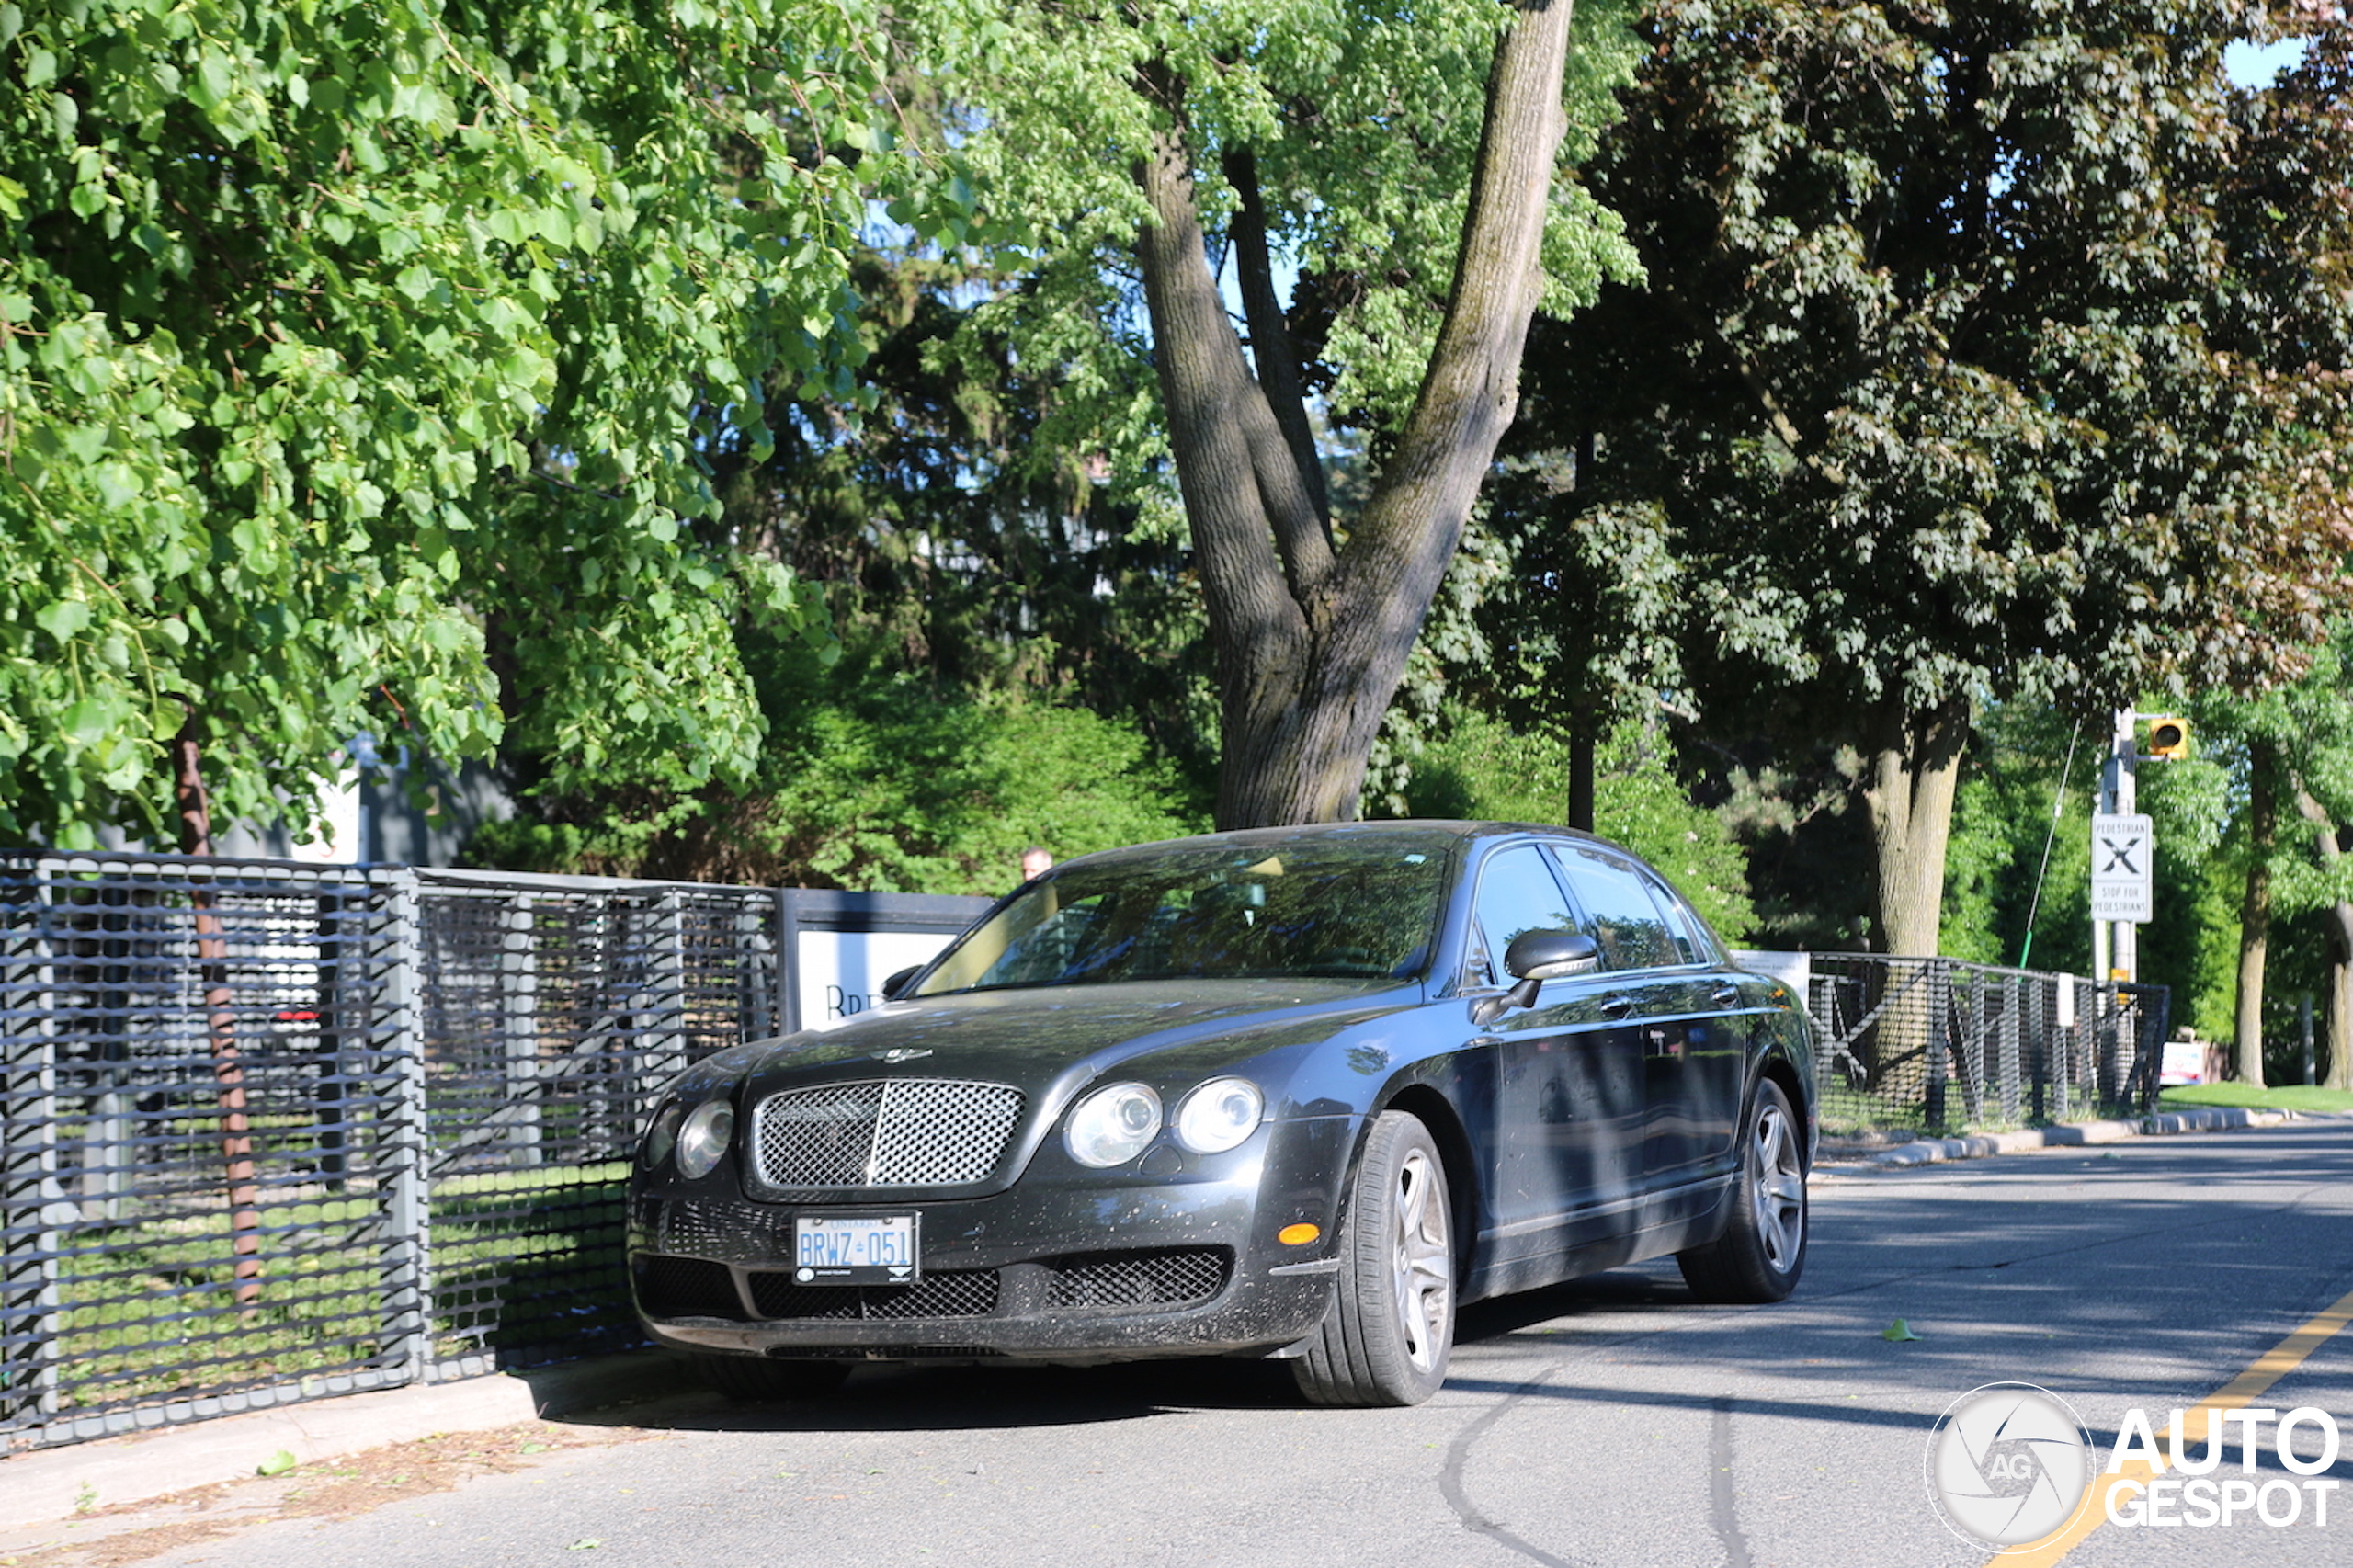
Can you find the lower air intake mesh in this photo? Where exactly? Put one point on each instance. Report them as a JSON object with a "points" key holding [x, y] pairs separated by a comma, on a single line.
{"points": [[950, 1293], [687, 1287], [1166, 1277]]}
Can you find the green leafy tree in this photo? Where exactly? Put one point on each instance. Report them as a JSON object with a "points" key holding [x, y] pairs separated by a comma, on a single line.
{"points": [[359, 365], [1478, 767], [2293, 748], [1980, 357], [878, 781], [964, 532], [1133, 154]]}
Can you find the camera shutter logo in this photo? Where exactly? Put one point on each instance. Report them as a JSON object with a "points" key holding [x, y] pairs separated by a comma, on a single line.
{"points": [[2008, 1463]]}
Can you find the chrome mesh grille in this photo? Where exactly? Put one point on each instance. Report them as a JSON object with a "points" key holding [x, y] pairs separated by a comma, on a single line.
{"points": [[885, 1132]]}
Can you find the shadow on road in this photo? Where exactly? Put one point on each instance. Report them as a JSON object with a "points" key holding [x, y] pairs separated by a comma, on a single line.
{"points": [[887, 1397], [2192, 1262]]}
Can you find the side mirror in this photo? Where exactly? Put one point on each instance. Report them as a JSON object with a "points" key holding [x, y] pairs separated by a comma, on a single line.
{"points": [[1540, 956], [898, 982], [1533, 958]]}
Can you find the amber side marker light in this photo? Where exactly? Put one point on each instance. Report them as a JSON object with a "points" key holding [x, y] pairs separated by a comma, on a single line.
{"points": [[1298, 1235]]}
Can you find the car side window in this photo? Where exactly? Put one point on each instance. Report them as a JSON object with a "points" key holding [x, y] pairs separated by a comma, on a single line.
{"points": [[1517, 892], [1682, 925], [1628, 923]]}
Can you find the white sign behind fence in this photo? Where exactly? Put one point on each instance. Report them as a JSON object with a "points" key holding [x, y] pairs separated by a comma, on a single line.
{"points": [[841, 973], [2123, 852]]}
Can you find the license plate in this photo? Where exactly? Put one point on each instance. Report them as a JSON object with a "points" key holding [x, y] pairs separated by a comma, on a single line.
{"points": [[856, 1250]]}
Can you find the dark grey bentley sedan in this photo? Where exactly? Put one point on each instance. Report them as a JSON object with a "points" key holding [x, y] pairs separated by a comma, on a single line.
{"points": [[1295, 1092]]}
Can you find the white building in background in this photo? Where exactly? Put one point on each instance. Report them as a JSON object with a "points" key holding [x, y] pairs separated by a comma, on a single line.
{"points": [[370, 818]]}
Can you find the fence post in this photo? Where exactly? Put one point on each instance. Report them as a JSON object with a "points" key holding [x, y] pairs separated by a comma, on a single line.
{"points": [[1939, 1009], [2009, 1026], [788, 960], [1970, 1040], [2157, 1028], [407, 1148], [332, 985], [756, 962], [32, 1204], [1821, 1006], [518, 984], [663, 1053], [2034, 1042], [2304, 1027]]}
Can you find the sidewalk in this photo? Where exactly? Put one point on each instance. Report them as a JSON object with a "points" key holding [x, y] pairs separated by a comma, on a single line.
{"points": [[1973, 1146], [56, 1484]]}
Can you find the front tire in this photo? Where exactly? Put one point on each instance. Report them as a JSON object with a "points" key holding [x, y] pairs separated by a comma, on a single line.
{"points": [[1388, 1332], [1762, 1250], [755, 1380]]}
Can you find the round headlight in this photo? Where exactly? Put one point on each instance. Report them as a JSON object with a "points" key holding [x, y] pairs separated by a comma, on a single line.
{"points": [[662, 1135], [1219, 1115], [709, 1129], [1111, 1126]]}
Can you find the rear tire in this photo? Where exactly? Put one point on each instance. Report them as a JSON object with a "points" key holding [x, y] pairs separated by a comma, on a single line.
{"points": [[1762, 1250], [1386, 1338], [757, 1380]]}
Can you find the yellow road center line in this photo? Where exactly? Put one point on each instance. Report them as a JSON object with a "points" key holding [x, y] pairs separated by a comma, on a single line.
{"points": [[2239, 1392]]}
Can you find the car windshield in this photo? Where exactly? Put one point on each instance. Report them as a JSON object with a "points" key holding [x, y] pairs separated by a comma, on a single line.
{"points": [[1350, 908]]}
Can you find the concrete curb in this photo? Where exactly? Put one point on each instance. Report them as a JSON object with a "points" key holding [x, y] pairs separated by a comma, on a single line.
{"points": [[55, 1483], [1939, 1151]]}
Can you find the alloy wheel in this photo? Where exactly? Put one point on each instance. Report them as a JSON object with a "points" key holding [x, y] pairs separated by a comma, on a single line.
{"points": [[1424, 1259], [1777, 1187]]}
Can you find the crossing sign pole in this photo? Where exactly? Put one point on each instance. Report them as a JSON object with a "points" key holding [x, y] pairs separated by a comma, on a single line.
{"points": [[2124, 851]]}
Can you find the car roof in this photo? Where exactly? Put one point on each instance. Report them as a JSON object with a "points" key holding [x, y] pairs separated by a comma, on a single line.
{"points": [[1430, 832]]}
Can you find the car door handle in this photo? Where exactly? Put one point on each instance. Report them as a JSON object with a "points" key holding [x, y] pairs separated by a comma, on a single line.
{"points": [[1617, 1007], [1725, 995]]}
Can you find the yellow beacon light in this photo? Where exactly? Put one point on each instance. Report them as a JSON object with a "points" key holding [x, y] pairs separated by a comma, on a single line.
{"points": [[2169, 738]]}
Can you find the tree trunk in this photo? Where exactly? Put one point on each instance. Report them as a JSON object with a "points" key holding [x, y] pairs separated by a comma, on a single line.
{"points": [[1914, 768], [2255, 913], [2340, 946], [1581, 725], [1311, 641], [228, 1063]]}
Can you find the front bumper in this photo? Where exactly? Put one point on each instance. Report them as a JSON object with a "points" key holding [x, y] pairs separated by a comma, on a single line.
{"points": [[1114, 1267]]}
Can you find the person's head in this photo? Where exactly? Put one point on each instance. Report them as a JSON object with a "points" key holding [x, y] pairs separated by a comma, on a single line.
{"points": [[1035, 861]]}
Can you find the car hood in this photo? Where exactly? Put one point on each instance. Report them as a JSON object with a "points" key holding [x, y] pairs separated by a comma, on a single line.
{"points": [[1048, 1042]]}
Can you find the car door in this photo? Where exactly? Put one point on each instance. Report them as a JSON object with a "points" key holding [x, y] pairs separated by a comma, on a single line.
{"points": [[1703, 1089], [1692, 1058], [1566, 1158]]}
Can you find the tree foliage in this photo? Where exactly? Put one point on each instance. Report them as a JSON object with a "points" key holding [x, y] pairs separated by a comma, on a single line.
{"points": [[953, 539], [878, 782], [357, 365], [1981, 355], [1478, 767], [2292, 748]]}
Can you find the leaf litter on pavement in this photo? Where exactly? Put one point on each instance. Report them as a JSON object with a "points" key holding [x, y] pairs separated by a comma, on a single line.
{"points": [[341, 1487]]}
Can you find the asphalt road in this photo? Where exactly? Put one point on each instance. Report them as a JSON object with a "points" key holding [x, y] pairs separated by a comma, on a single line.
{"points": [[1612, 1422]]}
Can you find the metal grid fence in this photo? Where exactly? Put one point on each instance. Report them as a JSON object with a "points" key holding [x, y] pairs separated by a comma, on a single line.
{"points": [[278, 1131], [1933, 1043]]}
